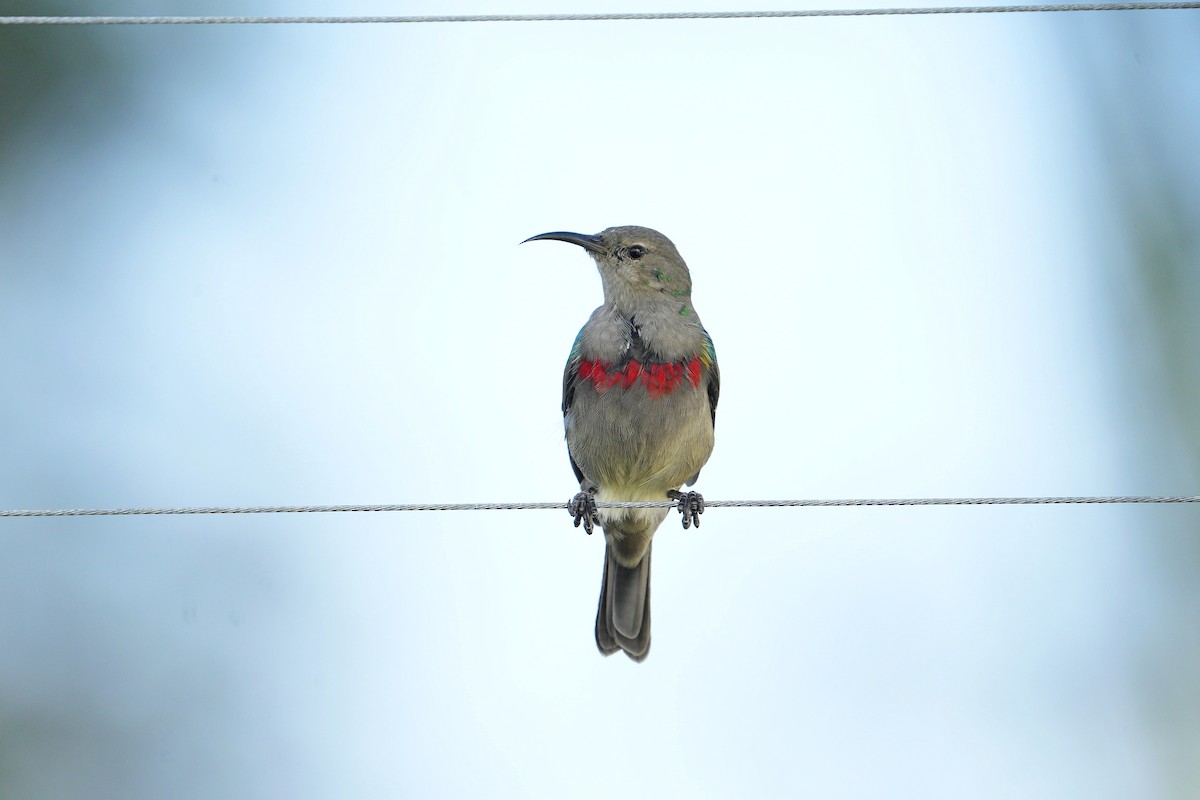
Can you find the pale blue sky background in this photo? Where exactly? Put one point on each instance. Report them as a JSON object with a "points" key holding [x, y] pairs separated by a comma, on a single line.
{"points": [[285, 270]]}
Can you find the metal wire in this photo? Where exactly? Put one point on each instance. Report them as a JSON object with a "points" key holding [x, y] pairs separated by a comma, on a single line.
{"points": [[677, 15], [924, 501]]}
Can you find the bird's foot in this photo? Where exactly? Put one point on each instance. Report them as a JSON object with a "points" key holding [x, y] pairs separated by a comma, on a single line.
{"points": [[583, 508], [691, 506]]}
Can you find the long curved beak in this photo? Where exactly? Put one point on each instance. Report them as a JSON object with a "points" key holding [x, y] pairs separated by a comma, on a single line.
{"points": [[586, 241]]}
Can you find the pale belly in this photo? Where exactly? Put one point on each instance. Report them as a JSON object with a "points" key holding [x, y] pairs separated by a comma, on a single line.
{"points": [[635, 447]]}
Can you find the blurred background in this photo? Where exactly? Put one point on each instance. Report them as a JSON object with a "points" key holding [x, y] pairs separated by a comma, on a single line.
{"points": [[247, 265]]}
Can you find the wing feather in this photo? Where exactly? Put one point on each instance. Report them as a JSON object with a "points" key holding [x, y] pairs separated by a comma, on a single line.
{"points": [[570, 381]]}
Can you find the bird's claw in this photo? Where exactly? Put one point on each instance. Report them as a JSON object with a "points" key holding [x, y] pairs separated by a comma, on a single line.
{"points": [[583, 508], [691, 506]]}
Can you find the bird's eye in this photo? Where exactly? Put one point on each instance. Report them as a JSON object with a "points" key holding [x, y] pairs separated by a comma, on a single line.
{"points": [[636, 252]]}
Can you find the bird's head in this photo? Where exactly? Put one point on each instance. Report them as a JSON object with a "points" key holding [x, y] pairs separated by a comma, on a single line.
{"points": [[638, 266]]}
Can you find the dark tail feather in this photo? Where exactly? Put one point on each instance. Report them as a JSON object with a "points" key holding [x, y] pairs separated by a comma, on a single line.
{"points": [[623, 618]]}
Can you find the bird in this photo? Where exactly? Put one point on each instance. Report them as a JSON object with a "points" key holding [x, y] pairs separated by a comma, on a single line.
{"points": [[639, 406]]}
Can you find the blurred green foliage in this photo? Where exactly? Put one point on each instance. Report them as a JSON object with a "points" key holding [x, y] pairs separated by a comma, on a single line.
{"points": [[1138, 77], [53, 76]]}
